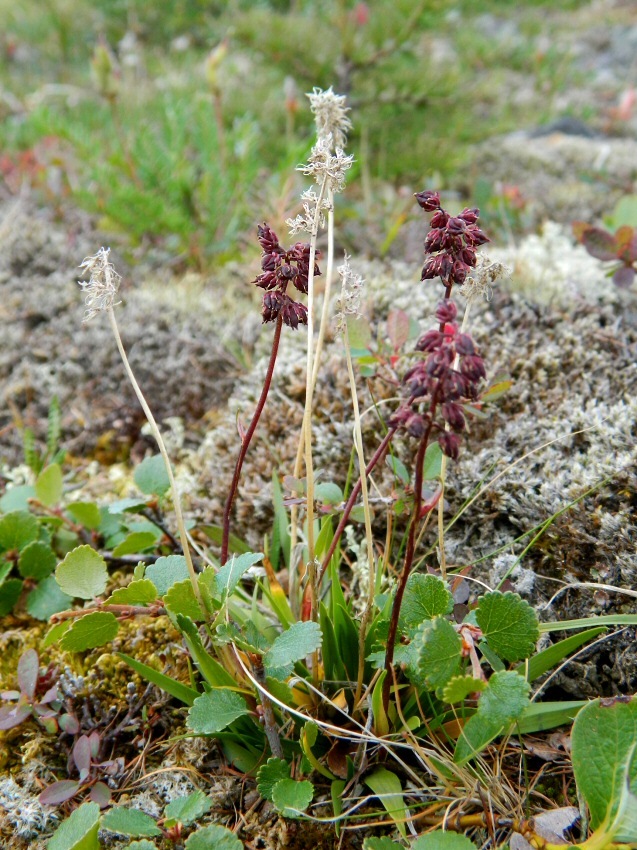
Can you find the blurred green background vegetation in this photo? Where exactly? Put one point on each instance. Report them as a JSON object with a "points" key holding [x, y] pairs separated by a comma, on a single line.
{"points": [[179, 123]]}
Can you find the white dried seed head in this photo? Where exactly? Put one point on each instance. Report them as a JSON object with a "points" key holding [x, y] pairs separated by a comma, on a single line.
{"points": [[349, 301], [102, 287], [330, 116], [479, 282]]}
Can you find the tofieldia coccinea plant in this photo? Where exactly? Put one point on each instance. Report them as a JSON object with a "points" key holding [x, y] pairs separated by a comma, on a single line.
{"points": [[310, 675]]}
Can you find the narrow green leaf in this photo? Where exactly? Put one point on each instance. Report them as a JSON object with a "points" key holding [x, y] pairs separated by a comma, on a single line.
{"points": [[439, 649], [79, 831], [17, 530], [539, 716], [215, 533], [132, 822], [210, 669], [214, 711], [381, 844], [171, 686], [282, 535], [151, 476], [292, 797], [509, 624], [213, 838], [37, 560], [273, 771], [603, 746], [584, 622], [82, 573], [386, 786], [398, 468], [426, 597], [549, 658], [140, 592], [48, 485]]}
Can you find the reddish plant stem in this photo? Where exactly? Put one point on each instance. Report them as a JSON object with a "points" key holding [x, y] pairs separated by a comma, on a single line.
{"points": [[376, 458], [410, 550], [245, 442]]}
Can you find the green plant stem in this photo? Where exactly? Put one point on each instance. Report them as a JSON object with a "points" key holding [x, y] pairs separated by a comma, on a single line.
{"points": [[409, 553], [358, 442], [183, 537], [247, 437]]}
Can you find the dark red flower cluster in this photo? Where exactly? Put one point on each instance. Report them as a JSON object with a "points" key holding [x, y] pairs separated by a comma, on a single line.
{"points": [[279, 269], [451, 242], [441, 382]]}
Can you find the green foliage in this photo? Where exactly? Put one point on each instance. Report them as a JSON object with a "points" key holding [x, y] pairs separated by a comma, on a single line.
{"points": [[300, 640], [187, 810], [269, 774], [291, 797], [82, 573], [386, 785], [509, 625], [79, 831], [213, 838], [90, 631], [425, 597], [151, 476], [439, 840], [213, 711], [439, 648], [131, 822]]}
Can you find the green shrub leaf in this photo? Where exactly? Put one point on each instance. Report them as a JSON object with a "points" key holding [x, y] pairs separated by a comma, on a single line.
{"points": [[140, 592], [90, 631], [292, 797], [132, 822], [86, 513], [47, 599], [17, 530], [212, 712], [300, 640], [188, 809], [9, 594], [151, 476], [136, 541], [604, 764], [37, 560], [82, 573], [180, 599], [48, 486], [142, 844], [386, 785], [381, 844], [79, 831], [228, 576], [439, 648], [425, 597], [213, 838], [509, 625], [166, 571], [458, 688], [273, 771], [440, 840]]}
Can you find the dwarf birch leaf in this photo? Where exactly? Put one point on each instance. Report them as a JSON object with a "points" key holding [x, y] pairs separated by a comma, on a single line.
{"points": [[381, 844], [425, 597], [86, 513], [213, 711], [180, 599], [213, 838], [273, 771], [509, 625], [166, 571], [188, 809], [151, 476], [136, 541], [17, 530], [37, 560], [90, 631], [48, 486], [292, 797], [603, 744], [47, 599], [386, 785], [82, 573], [131, 822], [79, 831], [439, 653], [9, 594], [142, 844], [442, 840], [228, 576], [300, 640], [459, 687], [140, 592]]}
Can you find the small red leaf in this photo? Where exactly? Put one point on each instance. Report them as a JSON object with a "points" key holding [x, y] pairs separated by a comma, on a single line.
{"points": [[101, 794], [28, 672], [599, 243], [69, 724], [398, 328], [624, 276], [82, 756], [59, 792], [13, 715]]}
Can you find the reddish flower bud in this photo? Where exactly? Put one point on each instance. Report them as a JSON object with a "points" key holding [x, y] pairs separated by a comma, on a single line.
{"points": [[272, 303], [450, 444], [429, 341], [268, 239], [429, 201], [464, 345], [433, 240], [468, 256], [470, 215], [416, 425], [459, 271], [452, 413], [474, 236], [472, 367], [439, 219], [456, 226], [446, 311]]}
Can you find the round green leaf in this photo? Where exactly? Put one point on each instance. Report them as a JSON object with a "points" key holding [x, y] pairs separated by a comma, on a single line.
{"points": [[136, 541], [17, 498], [509, 625], [425, 597], [439, 653], [17, 530], [139, 592], [440, 840], [9, 595], [82, 573], [292, 797], [47, 599], [273, 771], [151, 476], [37, 560], [79, 831], [180, 599], [131, 822], [86, 513], [213, 838], [300, 640], [166, 571], [459, 687], [188, 809], [213, 711], [90, 631]]}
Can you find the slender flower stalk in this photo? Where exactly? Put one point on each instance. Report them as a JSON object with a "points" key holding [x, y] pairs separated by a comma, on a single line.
{"points": [[101, 290]]}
